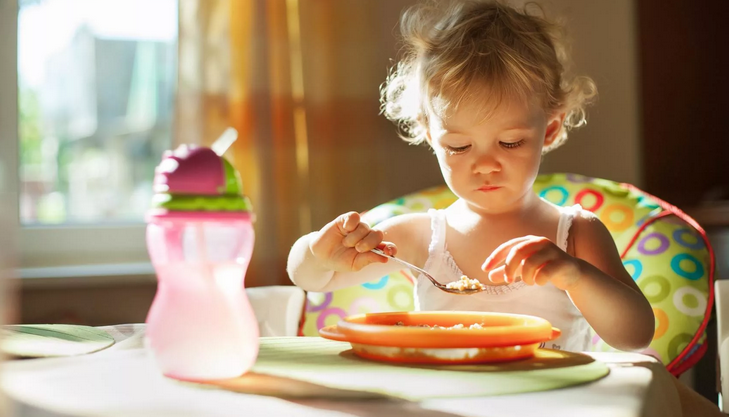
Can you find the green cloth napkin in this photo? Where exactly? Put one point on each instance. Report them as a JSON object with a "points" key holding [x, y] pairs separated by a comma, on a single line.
{"points": [[332, 364], [48, 340]]}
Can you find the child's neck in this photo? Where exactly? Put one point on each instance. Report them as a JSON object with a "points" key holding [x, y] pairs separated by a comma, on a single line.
{"points": [[473, 234], [522, 217], [523, 209]]}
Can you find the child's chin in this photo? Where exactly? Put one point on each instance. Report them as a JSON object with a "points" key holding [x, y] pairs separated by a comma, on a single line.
{"points": [[490, 207]]}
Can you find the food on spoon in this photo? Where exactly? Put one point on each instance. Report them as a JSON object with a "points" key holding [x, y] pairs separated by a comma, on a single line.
{"points": [[465, 283]]}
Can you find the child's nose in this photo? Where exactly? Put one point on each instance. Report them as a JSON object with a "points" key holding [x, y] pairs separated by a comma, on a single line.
{"points": [[486, 163]]}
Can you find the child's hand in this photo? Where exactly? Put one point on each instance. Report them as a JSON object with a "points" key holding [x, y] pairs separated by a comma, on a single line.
{"points": [[537, 260], [344, 244]]}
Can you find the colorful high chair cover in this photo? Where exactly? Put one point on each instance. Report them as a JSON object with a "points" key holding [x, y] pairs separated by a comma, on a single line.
{"points": [[665, 251]]}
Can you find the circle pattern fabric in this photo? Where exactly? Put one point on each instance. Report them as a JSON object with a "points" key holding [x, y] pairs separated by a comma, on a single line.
{"points": [[669, 261]]}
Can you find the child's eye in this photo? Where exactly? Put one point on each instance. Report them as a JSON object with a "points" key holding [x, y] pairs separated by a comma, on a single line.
{"points": [[450, 150], [512, 145]]}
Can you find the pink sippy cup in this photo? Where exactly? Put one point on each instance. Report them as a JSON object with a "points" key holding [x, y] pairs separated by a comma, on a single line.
{"points": [[200, 239]]}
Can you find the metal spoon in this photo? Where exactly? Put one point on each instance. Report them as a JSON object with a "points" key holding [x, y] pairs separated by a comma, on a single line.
{"points": [[435, 282]]}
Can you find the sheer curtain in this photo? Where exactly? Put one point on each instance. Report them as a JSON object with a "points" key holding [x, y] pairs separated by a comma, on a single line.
{"points": [[299, 80]]}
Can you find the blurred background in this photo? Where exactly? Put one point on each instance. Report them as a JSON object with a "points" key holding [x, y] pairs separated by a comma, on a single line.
{"points": [[104, 86]]}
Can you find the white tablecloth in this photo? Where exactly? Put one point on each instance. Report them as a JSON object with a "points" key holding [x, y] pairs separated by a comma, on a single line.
{"points": [[122, 381]]}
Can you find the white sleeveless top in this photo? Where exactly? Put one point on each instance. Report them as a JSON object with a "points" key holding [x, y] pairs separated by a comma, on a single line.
{"points": [[547, 301]]}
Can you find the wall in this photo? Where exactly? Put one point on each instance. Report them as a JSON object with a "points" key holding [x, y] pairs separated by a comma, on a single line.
{"points": [[89, 304], [605, 46], [685, 92]]}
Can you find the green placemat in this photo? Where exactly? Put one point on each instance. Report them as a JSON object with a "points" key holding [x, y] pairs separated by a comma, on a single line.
{"points": [[332, 364], [48, 340]]}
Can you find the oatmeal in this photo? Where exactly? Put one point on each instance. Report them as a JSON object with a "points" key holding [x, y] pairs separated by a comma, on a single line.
{"points": [[465, 283], [457, 326]]}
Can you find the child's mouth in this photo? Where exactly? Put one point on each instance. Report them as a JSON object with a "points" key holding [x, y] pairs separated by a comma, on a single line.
{"points": [[488, 188]]}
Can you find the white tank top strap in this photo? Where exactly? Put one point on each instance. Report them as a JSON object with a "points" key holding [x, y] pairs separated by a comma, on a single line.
{"points": [[437, 247], [567, 214]]}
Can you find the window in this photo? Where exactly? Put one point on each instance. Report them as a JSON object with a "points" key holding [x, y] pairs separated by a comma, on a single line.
{"points": [[96, 85]]}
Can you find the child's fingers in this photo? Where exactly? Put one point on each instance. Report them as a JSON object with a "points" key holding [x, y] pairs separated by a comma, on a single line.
{"points": [[496, 275], [513, 259], [519, 252], [356, 235], [363, 259], [545, 272], [531, 265], [369, 241], [348, 222], [500, 253], [387, 247]]}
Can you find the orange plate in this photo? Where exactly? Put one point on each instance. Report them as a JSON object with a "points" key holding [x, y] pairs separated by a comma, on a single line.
{"points": [[499, 329], [504, 337]]}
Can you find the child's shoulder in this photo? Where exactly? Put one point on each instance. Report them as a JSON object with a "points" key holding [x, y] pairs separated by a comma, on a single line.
{"points": [[594, 243], [409, 222], [411, 233], [586, 218], [588, 231]]}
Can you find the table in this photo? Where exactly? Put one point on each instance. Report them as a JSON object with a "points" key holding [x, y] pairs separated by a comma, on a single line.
{"points": [[122, 381]]}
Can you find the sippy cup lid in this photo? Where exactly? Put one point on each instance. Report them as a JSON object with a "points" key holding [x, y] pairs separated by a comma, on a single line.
{"points": [[195, 179]]}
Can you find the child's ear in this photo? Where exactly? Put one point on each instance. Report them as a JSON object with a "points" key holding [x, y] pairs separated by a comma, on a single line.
{"points": [[554, 127]]}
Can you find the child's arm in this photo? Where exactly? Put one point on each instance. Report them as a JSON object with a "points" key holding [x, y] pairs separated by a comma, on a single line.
{"points": [[607, 295], [338, 255], [595, 280]]}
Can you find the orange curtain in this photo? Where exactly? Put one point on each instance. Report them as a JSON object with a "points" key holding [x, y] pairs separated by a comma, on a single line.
{"points": [[299, 81], [234, 70]]}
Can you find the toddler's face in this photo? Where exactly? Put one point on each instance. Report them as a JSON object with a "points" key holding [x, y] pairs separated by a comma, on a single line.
{"points": [[492, 162]]}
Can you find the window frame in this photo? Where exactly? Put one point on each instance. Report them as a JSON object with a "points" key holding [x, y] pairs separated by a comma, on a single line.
{"points": [[93, 244], [9, 208], [102, 249]]}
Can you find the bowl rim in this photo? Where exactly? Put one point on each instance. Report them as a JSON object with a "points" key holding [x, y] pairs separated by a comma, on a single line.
{"points": [[378, 329]]}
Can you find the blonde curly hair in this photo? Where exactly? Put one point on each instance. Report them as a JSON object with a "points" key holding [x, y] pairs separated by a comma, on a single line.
{"points": [[450, 47]]}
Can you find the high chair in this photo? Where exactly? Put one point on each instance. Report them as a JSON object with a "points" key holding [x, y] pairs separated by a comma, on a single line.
{"points": [[277, 308], [663, 249]]}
